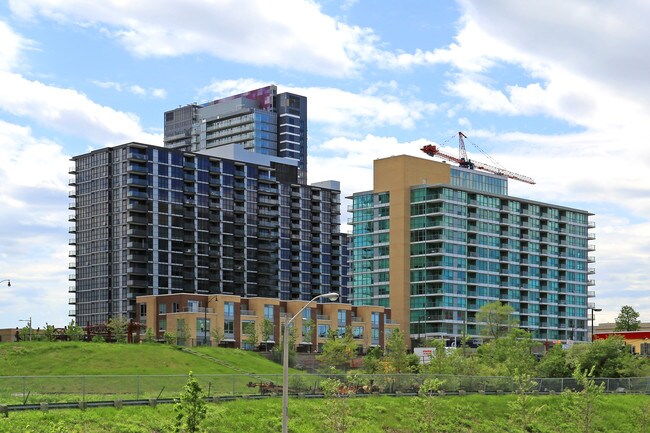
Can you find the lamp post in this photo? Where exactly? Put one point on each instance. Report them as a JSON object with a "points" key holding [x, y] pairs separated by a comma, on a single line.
{"points": [[592, 322], [285, 360], [205, 320], [29, 323], [8, 282]]}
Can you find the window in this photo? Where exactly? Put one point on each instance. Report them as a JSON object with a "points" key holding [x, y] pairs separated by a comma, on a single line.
{"points": [[268, 311], [143, 310], [229, 329], [175, 307], [357, 332], [162, 308], [162, 325], [193, 306], [342, 317], [323, 330], [229, 309]]}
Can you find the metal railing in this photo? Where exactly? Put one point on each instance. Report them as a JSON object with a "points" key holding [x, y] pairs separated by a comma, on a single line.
{"points": [[22, 390]]}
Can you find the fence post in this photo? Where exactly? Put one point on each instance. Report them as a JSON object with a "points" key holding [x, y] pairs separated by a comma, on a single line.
{"points": [[24, 388], [137, 392], [83, 388], [562, 385], [233, 385]]}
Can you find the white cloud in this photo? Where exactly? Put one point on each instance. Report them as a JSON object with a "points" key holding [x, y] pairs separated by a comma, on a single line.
{"points": [[133, 88], [292, 34], [69, 111], [33, 223], [12, 45]]}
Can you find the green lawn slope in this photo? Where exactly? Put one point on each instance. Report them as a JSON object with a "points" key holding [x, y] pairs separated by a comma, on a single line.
{"points": [[80, 358], [467, 414]]}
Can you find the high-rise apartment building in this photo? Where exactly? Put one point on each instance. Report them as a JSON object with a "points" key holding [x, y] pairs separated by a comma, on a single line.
{"points": [[261, 120], [435, 242], [150, 220]]}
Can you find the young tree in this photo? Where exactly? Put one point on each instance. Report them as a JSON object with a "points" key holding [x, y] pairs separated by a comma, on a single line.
{"points": [[580, 407], [627, 320], [250, 330], [555, 363], [502, 356], [118, 326], [149, 336], [608, 358], [337, 412], [266, 329], [397, 356], [496, 319], [523, 409], [338, 351], [74, 331], [217, 335], [190, 408]]}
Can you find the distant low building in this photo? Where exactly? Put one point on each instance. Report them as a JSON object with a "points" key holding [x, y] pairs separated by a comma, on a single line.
{"points": [[195, 319], [639, 340]]}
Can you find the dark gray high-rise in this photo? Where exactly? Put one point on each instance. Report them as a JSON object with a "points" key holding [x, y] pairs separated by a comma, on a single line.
{"points": [[151, 220]]}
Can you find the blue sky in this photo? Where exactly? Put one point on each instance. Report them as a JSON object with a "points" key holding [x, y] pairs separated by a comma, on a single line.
{"points": [[554, 90]]}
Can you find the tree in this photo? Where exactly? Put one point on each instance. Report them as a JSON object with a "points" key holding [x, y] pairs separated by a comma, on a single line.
{"points": [[608, 358], [495, 319], [190, 408], [266, 329], [250, 330], [555, 363], [397, 357], [217, 335], [627, 320], [338, 351], [580, 407], [74, 331], [117, 326], [523, 410], [503, 356]]}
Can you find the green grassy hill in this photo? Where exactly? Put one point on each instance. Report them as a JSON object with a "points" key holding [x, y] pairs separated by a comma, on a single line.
{"points": [[79, 358]]}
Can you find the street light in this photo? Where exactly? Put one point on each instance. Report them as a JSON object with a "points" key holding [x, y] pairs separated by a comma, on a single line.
{"points": [[592, 321], [285, 360], [29, 323], [8, 282], [205, 320]]}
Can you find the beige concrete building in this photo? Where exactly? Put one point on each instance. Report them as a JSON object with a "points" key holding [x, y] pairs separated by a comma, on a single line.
{"points": [[436, 242], [199, 319]]}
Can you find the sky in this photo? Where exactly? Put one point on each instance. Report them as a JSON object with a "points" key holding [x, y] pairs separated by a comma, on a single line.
{"points": [[554, 90]]}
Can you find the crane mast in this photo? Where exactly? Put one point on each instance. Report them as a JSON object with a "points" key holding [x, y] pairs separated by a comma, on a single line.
{"points": [[465, 162]]}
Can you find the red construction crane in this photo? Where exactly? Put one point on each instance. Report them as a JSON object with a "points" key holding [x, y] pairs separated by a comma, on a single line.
{"points": [[465, 162]]}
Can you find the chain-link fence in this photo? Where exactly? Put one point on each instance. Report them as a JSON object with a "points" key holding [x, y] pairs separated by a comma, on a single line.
{"points": [[55, 389]]}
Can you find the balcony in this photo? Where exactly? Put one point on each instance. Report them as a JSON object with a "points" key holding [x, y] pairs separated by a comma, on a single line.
{"points": [[248, 313], [591, 283], [591, 259], [72, 277], [136, 168], [72, 253], [72, 265], [72, 301], [137, 207], [137, 156], [591, 294]]}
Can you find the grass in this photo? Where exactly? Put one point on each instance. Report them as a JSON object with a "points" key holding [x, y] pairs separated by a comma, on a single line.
{"points": [[471, 413], [35, 372], [79, 358]]}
